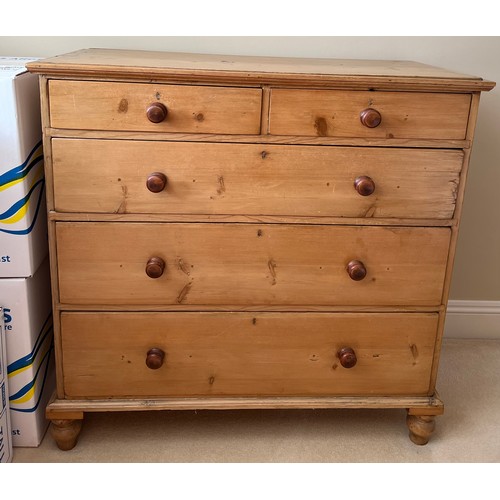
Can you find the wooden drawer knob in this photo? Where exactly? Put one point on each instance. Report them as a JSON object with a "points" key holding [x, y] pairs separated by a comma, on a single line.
{"points": [[155, 358], [156, 182], [370, 117], [356, 270], [364, 185], [155, 267], [347, 357], [156, 112]]}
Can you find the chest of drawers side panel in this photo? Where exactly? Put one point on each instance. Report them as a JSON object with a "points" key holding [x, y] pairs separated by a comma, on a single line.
{"points": [[471, 126], [51, 226]]}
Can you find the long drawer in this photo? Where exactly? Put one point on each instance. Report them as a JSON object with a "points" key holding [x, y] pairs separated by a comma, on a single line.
{"points": [[174, 108], [253, 179], [249, 264], [207, 354], [385, 115]]}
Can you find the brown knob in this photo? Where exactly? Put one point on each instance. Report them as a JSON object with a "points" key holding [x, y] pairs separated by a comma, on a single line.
{"points": [[364, 185], [156, 182], [156, 112], [370, 117], [155, 267], [347, 357], [155, 358], [356, 270]]}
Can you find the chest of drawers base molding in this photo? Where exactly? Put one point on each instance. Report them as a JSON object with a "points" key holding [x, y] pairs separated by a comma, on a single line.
{"points": [[231, 232], [67, 416]]}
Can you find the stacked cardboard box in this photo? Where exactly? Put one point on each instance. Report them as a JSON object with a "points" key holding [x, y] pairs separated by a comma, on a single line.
{"points": [[23, 227], [30, 353], [24, 271]]}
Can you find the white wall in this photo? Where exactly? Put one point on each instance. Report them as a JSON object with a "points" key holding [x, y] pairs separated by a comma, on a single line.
{"points": [[477, 271]]}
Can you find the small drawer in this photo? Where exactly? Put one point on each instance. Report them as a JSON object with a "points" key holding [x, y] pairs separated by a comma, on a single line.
{"points": [[249, 264], [108, 176], [154, 108], [385, 115], [246, 354]]}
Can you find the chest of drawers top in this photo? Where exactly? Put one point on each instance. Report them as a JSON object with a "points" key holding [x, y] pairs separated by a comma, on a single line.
{"points": [[353, 74]]}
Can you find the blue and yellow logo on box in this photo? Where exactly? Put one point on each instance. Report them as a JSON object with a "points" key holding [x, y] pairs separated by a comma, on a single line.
{"points": [[27, 375], [15, 207]]}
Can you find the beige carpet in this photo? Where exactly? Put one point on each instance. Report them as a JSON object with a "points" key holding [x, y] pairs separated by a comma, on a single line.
{"points": [[469, 431]]}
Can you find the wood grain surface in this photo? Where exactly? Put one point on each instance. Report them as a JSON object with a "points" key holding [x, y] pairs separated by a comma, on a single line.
{"points": [[104, 263], [246, 354], [109, 176], [244, 70], [335, 113], [122, 106]]}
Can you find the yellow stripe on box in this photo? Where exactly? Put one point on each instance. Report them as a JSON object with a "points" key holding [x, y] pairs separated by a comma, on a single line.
{"points": [[18, 215], [10, 184], [29, 395]]}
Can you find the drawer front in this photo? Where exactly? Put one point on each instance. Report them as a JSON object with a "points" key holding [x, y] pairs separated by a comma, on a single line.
{"points": [[334, 113], [123, 106], [246, 354], [249, 264], [109, 176]]}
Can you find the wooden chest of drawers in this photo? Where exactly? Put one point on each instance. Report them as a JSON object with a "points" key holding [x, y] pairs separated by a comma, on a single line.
{"points": [[234, 232]]}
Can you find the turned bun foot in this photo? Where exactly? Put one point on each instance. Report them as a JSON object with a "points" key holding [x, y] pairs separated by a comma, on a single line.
{"points": [[65, 433], [421, 428]]}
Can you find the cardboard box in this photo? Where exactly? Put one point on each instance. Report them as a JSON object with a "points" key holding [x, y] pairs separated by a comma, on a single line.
{"points": [[30, 353], [23, 220], [5, 432]]}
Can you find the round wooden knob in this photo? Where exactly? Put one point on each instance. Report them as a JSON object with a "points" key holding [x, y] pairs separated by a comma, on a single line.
{"points": [[156, 182], [356, 270], [370, 117], [156, 112], [155, 358], [155, 267], [347, 357], [364, 185]]}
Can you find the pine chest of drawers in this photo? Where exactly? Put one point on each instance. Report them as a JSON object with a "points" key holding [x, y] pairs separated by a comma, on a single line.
{"points": [[233, 232]]}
